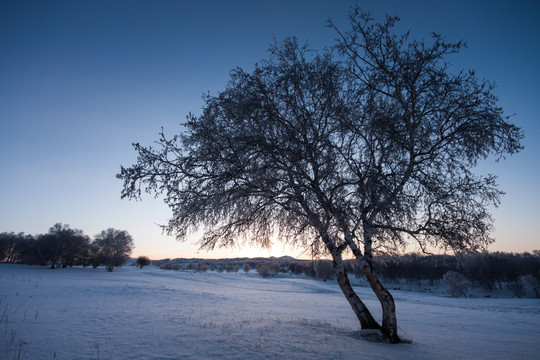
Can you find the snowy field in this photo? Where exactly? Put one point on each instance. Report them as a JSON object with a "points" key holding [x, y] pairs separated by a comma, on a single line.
{"points": [[157, 314]]}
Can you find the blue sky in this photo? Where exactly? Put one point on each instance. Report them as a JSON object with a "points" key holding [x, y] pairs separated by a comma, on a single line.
{"points": [[82, 80]]}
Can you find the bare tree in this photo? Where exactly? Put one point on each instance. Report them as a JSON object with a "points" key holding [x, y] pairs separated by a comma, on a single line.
{"points": [[264, 269], [363, 151], [62, 245], [112, 248], [142, 261], [8, 246]]}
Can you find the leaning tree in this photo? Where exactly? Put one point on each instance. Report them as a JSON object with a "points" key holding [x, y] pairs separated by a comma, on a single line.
{"points": [[358, 150]]}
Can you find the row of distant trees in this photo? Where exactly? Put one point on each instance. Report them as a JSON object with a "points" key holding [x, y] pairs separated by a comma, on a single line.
{"points": [[63, 246], [518, 272]]}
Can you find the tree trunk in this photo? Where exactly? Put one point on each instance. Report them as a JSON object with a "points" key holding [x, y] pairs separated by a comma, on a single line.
{"points": [[360, 310], [389, 319]]}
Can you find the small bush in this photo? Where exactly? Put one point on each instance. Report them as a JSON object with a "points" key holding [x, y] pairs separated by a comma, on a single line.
{"points": [[516, 287], [231, 268], [275, 267], [324, 270], [530, 283], [201, 267], [264, 270], [296, 267], [457, 284], [170, 266]]}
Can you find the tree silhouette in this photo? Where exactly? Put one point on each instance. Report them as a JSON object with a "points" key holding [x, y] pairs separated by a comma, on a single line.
{"points": [[363, 148], [62, 246], [112, 248], [142, 261]]}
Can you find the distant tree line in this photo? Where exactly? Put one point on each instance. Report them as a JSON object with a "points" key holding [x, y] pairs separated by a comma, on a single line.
{"points": [[518, 272], [63, 246]]}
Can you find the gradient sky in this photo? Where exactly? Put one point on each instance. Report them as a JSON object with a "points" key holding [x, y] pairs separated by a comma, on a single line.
{"points": [[82, 80]]}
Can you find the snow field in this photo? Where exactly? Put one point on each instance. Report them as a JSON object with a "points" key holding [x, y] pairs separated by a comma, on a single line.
{"points": [[156, 314]]}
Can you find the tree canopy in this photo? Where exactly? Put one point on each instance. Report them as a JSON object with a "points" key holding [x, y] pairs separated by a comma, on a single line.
{"points": [[363, 148]]}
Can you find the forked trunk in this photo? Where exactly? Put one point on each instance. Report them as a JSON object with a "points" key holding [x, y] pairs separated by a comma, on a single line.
{"points": [[360, 310], [389, 320]]}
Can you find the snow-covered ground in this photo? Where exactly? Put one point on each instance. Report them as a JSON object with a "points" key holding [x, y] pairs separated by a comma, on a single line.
{"points": [[156, 314]]}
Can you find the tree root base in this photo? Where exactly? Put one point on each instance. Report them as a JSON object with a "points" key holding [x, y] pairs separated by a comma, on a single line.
{"points": [[376, 335]]}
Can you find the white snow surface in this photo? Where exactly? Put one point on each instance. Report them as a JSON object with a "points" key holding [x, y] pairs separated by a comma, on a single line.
{"points": [[84, 313]]}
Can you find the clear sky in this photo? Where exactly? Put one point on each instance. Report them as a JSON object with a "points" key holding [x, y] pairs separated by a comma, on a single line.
{"points": [[82, 80]]}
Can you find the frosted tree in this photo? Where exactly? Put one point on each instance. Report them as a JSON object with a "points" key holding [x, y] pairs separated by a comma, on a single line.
{"points": [[361, 149], [457, 283]]}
